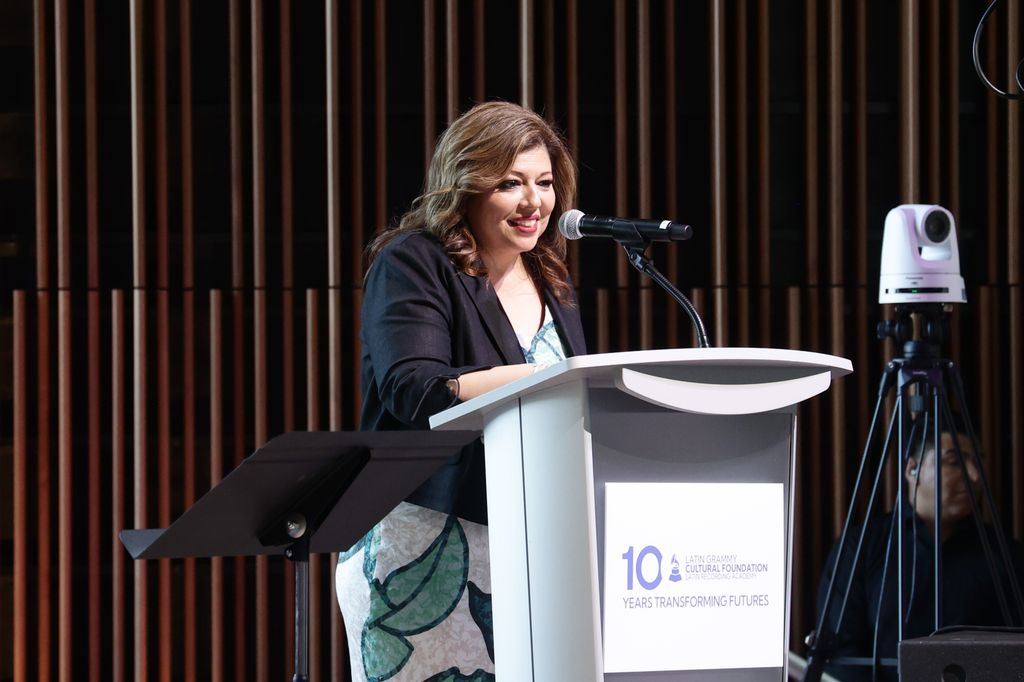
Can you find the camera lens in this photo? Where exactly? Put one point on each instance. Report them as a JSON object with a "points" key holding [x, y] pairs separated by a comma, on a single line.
{"points": [[936, 226]]}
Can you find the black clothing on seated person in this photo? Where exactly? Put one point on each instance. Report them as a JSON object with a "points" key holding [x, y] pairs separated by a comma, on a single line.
{"points": [[968, 592]]}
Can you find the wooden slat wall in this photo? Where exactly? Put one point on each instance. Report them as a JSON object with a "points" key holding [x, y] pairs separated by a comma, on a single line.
{"points": [[166, 370]]}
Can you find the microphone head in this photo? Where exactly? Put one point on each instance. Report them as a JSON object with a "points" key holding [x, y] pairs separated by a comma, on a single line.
{"points": [[569, 224]]}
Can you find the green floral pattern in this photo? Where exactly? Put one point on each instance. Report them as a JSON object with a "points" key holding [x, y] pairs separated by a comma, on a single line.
{"points": [[421, 612]]}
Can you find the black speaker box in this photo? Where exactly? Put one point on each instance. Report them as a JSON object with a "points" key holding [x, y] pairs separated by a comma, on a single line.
{"points": [[963, 656]]}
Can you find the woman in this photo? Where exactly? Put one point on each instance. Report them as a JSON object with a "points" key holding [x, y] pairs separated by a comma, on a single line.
{"points": [[469, 292]]}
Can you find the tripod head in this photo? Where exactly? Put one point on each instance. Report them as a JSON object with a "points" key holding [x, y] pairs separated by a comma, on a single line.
{"points": [[921, 329]]}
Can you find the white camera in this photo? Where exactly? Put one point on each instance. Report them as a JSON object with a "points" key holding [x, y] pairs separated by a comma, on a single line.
{"points": [[920, 260]]}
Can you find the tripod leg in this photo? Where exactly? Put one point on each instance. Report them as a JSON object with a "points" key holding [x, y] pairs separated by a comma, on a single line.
{"points": [[821, 641]]}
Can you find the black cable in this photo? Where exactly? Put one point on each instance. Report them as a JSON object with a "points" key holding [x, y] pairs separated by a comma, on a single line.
{"points": [[977, 60]]}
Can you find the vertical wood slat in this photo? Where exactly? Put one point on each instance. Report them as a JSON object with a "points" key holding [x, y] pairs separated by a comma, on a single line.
{"points": [[159, 116], [334, 237], [163, 388], [909, 103], [811, 141], [313, 424], [334, 279], [380, 139], [1016, 323], [238, 338], [94, 455], [43, 549], [451, 58], [19, 487], [238, 441], [548, 60], [119, 351], [643, 110], [138, 111], [95, 604], [621, 172], [287, 170], [572, 84], [163, 448], [259, 372], [858, 277], [934, 83], [218, 638], [139, 451], [40, 100], [643, 154], [763, 108], [91, 158], [355, 177], [988, 413], [860, 143], [526, 61], [835, 145], [287, 284], [835, 261], [235, 134], [140, 479], [603, 321], [739, 196], [838, 422], [429, 81], [479, 56], [1014, 135], [188, 422], [668, 87], [64, 398], [741, 223], [719, 267], [799, 535], [953, 106], [993, 174], [572, 111]]}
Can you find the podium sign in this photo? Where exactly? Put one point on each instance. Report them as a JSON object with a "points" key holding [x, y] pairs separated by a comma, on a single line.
{"points": [[607, 467], [691, 569]]}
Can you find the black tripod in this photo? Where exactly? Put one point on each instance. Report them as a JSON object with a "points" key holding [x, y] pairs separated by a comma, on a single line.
{"points": [[922, 413]]}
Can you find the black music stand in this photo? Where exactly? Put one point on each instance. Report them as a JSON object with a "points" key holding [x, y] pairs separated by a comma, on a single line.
{"points": [[302, 492]]}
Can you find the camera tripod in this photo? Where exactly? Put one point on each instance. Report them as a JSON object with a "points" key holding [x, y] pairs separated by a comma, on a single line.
{"points": [[923, 381]]}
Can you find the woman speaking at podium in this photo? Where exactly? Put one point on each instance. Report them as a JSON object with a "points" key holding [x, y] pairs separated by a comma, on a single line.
{"points": [[469, 292]]}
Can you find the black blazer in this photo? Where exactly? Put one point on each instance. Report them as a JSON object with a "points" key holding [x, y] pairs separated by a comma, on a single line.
{"points": [[424, 322]]}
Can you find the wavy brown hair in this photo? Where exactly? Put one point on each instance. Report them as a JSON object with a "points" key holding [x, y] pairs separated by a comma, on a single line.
{"points": [[472, 157]]}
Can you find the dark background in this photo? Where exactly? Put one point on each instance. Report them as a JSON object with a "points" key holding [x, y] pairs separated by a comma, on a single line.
{"points": [[807, 202]]}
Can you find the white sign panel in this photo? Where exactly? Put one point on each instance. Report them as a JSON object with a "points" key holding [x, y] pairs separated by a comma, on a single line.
{"points": [[694, 577]]}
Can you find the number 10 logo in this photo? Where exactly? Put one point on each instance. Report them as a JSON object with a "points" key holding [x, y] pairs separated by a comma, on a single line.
{"points": [[637, 569]]}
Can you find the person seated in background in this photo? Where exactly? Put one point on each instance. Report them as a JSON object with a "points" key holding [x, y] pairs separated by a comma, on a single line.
{"points": [[969, 595]]}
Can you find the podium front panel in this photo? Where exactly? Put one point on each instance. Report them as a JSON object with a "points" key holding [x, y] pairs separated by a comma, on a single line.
{"points": [[695, 582]]}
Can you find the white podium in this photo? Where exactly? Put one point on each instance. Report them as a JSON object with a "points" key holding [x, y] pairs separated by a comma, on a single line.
{"points": [[640, 513]]}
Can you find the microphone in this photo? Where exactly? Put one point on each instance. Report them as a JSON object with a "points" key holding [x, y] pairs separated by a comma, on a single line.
{"points": [[575, 224]]}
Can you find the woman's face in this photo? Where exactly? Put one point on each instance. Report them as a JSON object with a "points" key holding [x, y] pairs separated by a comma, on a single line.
{"points": [[509, 219]]}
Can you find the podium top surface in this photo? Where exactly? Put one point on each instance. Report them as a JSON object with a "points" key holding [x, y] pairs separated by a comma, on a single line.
{"points": [[705, 366]]}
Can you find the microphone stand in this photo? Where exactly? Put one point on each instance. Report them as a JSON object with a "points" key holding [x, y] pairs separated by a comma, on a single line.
{"points": [[639, 260]]}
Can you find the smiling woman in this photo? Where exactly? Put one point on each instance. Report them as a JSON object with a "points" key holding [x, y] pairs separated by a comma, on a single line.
{"points": [[469, 292]]}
